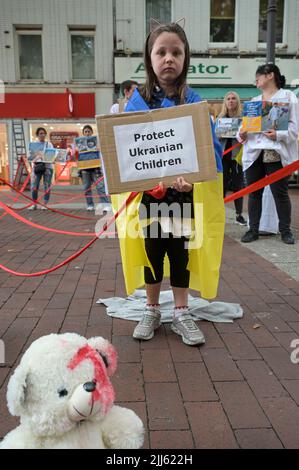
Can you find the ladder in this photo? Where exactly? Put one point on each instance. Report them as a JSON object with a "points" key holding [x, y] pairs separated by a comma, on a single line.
{"points": [[20, 153], [19, 139]]}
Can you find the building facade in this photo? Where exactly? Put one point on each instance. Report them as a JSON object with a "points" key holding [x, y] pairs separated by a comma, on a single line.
{"points": [[62, 61]]}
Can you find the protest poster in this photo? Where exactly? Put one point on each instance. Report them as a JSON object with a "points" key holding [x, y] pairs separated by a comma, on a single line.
{"points": [[226, 127], [140, 149], [36, 149], [89, 155], [262, 116]]}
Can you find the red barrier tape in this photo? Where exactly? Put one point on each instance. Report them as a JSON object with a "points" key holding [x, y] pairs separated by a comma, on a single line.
{"points": [[44, 205], [277, 175], [78, 253], [42, 227], [231, 148]]}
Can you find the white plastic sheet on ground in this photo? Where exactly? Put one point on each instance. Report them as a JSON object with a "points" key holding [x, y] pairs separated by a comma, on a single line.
{"points": [[132, 307]]}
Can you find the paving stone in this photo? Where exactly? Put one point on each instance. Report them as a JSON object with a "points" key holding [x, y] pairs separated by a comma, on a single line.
{"points": [[195, 383], [261, 379], [157, 367], [220, 365], [171, 440], [258, 439], [128, 383], [210, 427], [279, 361], [241, 406], [239, 346], [292, 387], [128, 349], [165, 407], [283, 413]]}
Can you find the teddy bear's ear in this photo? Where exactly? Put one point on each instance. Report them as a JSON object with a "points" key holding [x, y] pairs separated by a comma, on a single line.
{"points": [[16, 390], [106, 351]]}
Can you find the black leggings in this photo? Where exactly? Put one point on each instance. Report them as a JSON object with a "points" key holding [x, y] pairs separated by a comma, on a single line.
{"points": [[256, 171], [177, 251]]}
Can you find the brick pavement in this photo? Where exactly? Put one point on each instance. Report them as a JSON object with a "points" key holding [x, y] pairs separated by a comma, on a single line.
{"points": [[239, 390]]}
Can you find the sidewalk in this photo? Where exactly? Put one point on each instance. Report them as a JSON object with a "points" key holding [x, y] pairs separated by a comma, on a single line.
{"points": [[239, 390]]}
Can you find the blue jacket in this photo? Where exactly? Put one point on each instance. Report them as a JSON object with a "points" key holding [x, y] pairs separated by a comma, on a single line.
{"points": [[137, 103]]}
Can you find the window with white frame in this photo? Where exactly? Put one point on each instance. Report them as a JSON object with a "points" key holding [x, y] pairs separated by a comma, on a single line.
{"points": [[160, 10], [83, 54], [30, 55], [222, 21], [263, 21]]}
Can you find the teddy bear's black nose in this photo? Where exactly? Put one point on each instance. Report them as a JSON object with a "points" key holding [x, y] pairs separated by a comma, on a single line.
{"points": [[89, 386]]}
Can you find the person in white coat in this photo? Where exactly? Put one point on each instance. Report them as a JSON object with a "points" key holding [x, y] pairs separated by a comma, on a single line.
{"points": [[264, 153]]}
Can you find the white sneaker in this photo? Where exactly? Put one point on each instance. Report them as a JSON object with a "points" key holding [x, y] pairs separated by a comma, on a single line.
{"points": [[90, 208], [150, 321], [186, 327], [43, 208], [32, 208]]}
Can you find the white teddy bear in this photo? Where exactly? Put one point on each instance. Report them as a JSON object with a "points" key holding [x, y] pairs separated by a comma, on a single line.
{"points": [[62, 393]]}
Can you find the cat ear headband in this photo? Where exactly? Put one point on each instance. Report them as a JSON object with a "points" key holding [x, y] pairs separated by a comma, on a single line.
{"points": [[154, 24]]}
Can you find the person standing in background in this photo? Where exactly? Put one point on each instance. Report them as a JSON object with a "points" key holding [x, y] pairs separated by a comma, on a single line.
{"points": [[41, 170], [90, 176], [127, 89], [280, 148], [232, 171]]}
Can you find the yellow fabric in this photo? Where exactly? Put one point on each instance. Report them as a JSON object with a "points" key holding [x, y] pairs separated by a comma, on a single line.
{"points": [[205, 248], [238, 157]]}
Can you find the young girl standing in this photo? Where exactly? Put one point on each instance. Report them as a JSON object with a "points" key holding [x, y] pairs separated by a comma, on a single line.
{"points": [[166, 58]]}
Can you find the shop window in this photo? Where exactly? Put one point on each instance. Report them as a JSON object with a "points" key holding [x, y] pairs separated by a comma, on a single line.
{"points": [[83, 55], [263, 21], [222, 21], [160, 10], [30, 56]]}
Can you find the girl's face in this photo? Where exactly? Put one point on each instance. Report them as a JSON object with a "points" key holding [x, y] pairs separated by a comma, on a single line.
{"points": [[167, 58], [231, 102]]}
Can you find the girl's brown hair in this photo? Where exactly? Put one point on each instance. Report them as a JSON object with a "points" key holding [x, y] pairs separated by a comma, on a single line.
{"points": [[224, 110], [146, 90]]}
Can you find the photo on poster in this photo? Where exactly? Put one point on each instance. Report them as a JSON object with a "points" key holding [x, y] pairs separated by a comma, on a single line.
{"points": [[87, 144], [61, 155], [36, 149], [262, 116], [227, 127], [49, 155]]}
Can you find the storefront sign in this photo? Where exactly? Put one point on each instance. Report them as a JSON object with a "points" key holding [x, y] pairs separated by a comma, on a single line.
{"points": [[209, 71]]}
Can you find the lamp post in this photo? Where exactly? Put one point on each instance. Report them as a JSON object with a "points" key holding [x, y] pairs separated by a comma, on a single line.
{"points": [[271, 31]]}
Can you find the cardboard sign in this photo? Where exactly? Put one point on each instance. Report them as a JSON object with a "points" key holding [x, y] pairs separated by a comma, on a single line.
{"points": [[89, 156], [140, 149]]}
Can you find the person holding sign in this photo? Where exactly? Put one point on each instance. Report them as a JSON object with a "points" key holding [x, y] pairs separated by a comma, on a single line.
{"points": [[90, 176], [41, 170], [231, 161], [266, 152], [171, 237]]}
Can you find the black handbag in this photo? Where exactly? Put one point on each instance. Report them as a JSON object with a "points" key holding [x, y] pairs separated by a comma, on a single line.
{"points": [[39, 168]]}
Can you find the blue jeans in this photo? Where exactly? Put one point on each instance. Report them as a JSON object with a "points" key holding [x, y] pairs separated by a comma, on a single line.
{"points": [[35, 182], [89, 177]]}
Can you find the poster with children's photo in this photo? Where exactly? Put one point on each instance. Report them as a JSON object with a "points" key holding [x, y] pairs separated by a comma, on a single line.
{"points": [[49, 155], [36, 149], [227, 127], [262, 116], [89, 155], [61, 155]]}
